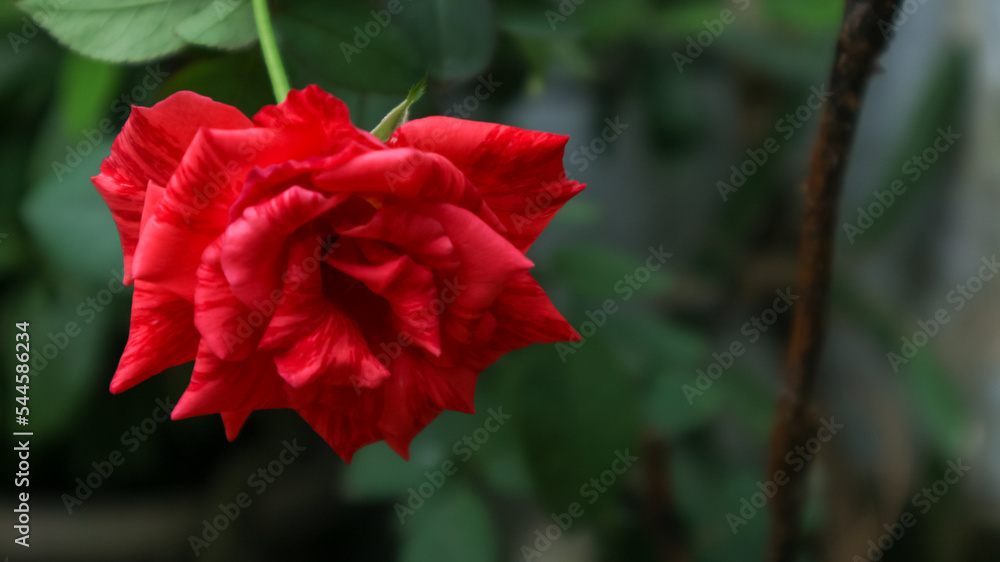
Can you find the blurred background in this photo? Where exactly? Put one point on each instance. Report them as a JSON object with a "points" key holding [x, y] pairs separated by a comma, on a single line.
{"points": [[691, 122]]}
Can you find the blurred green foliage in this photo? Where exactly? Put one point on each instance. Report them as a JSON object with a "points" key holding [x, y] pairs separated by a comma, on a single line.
{"points": [[570, 412]]}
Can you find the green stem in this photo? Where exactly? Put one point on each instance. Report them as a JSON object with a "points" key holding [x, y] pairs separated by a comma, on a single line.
{"points": [[279, 80]]}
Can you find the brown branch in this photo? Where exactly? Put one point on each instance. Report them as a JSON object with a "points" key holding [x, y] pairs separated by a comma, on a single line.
{"points": [[859, 45], [664, 523]]}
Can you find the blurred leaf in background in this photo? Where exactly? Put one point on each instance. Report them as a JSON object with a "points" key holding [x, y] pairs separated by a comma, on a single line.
{"points": [[564, 67]]}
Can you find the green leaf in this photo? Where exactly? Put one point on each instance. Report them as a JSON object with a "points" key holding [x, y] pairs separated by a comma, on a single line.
{"points": [[71, 223], [225, 24], [399, 114], [453, 526], [941, 104], [86, 90], [116, 30], [453, 37], [936, 396], [572, 418], [943, 411]]}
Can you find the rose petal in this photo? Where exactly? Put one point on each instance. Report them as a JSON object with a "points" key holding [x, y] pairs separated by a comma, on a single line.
{"points": [[265, 183], [231, 386], [233, 422], [408, 287], [416, 394], [525, 315], [314, 106], [519, 173], [195, 207], [487, 261], [228, 327], [322, 342], [421, 237], [258, 240], [149, 148], [161, 336], [406, 173], [154, 193], [345, 430]]}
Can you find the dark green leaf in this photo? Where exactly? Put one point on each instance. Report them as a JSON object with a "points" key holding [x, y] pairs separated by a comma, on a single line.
{"points": [[327, 44], [453, 37], [532, 18], [572, 417]]}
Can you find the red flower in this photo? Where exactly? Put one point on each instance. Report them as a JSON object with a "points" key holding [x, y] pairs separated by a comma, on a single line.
{"points": [[304, 264]]}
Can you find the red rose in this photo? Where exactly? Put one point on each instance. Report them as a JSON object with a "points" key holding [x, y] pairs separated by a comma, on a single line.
{"points": [[304, 264]]}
